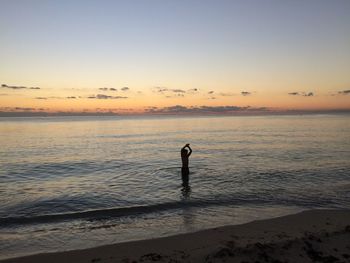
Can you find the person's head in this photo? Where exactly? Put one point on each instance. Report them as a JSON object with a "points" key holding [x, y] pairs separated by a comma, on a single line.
{"points": [[184, 152]]}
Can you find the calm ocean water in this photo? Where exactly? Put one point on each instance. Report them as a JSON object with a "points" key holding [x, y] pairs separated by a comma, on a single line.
{"points": [[77, 182]]}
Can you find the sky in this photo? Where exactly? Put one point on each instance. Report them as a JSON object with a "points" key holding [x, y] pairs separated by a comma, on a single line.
{"points": [[172, 56]]}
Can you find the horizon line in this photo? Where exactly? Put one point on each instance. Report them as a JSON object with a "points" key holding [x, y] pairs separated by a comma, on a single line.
{"points": [[4, 114]]}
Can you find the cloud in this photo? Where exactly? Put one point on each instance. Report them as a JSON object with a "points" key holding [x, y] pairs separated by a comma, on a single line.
{"points": [[125, 89], [13, 87], [179, 109], [53, 97], [174, 96], [222, 94], [24, 109], [192, 91], [221, 108], [167, 90], [56, 98], [304, 94], [17, 87], [310, 94], [31, 112], [173, 93], [178, 90], [344, 92], [152, 108], [106, 89], [246, 93], [160, 89], [228, 94], [105, 97]]}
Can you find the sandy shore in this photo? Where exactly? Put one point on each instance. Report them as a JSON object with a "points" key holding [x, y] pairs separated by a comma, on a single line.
{"points": [[310, 236]]}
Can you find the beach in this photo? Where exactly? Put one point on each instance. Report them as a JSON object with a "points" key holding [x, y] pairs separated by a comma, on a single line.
{"points": [[309, 236]]}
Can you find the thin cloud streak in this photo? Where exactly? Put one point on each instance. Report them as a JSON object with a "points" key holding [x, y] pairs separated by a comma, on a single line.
{"points": [[178, 91], [179, 109], [105, 97], [344, 92], [18, 87], [310, 94], [108, 89], [304, 94], [163, 89], [192, 90], [173, 93], [226, 94]]}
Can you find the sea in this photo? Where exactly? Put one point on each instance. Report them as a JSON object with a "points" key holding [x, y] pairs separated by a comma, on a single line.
{"points": [[78, 182]]}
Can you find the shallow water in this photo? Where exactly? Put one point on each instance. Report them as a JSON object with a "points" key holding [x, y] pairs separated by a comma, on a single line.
{"points": [[76, 182]]}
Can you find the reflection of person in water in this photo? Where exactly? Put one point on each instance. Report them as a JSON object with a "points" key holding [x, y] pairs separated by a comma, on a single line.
{"points": [[185, 171]]}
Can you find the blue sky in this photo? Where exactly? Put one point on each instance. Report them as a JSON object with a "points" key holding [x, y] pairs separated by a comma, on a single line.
{"points": [[266, 47]]}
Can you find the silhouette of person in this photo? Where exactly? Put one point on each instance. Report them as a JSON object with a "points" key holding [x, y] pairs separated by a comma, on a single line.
{"points": [[185, 171]]}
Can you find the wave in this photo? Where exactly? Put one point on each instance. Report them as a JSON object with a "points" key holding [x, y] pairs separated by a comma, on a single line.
{"points": [[112, 213], [98, 214]]}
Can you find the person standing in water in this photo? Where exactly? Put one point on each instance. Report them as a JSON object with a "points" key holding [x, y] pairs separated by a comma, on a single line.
{"points": [[185, 171]]}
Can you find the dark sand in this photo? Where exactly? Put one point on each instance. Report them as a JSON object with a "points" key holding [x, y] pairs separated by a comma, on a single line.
{"points": [[310, 236]]}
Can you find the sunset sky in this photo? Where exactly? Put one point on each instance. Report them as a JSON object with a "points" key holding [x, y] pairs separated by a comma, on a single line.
{"points": [[174, 56]]}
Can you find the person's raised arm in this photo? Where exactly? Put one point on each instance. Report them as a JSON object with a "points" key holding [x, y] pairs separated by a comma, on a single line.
{"points": [[188, 146]]}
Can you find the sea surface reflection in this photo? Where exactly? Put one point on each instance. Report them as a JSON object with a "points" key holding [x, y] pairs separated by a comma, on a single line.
{"points": [[75, 182]]}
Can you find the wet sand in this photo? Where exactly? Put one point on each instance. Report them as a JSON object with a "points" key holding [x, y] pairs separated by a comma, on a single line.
{"points": [[309, 236]]}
